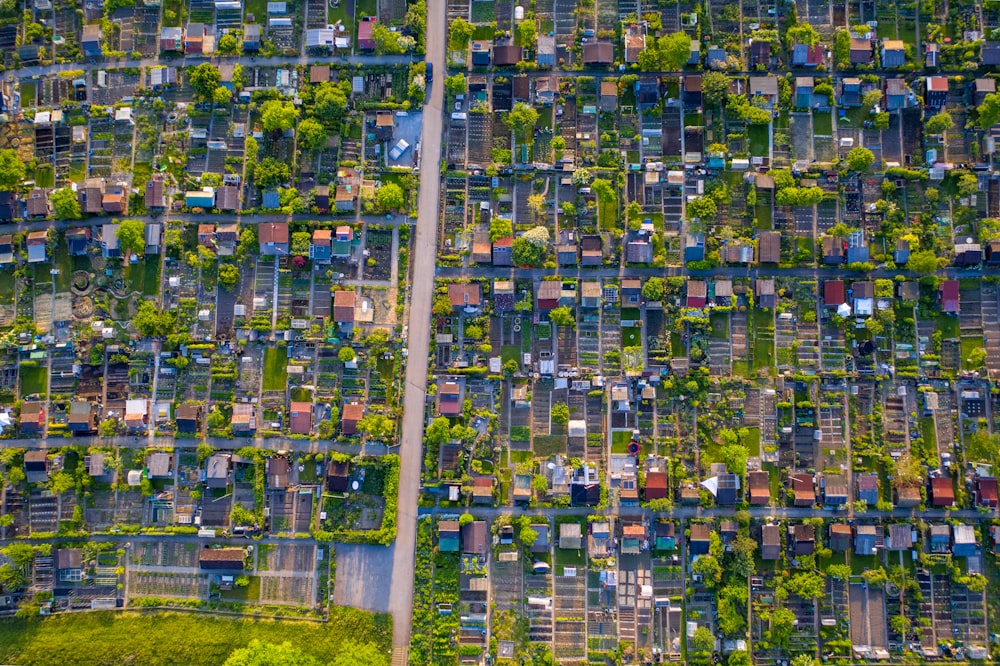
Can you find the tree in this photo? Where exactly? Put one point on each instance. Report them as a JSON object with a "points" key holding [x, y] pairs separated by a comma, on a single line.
{"points": [[981, 446], [739, 658], [924, 261], [204, 79], [562, 316], [278, 116], [839, 571], [675, 51], [708, 568], [649, 59], [150, 322], [522, 120], [702, 640], [216, 419], [390, 197], [329, 102], [258, 653], [61, 482], [12, 170], [455, 85], [312, 134], [803, 33], [388, 42], [222, 95], [715, 88], [702, 208], [132, 236], [939, 123], [536, 202], [460, 32], [735, 458], [11, 578], [989, 111], [65, 205], [229, 276], [807, 585], [376, 426], [270, 173], [977, 358], [653, 289], [300, 243], [968, 184], [527, 33], [860, 159], [346, 354], [525, 253], [228, 44], [560, 413], [872, 98], [582, 177], [537, 236], [500, 227], [900, 624]]}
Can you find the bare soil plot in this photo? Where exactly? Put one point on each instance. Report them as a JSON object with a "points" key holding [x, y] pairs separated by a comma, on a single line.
{"points": [[361, 577]]}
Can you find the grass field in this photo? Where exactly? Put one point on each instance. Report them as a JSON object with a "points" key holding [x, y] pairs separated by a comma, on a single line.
{"points": [[34, 379], [275, 368], [153, 638]]}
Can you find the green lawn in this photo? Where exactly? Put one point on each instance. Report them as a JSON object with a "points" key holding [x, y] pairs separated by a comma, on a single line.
{"points": [[275, 368], [631, 336], [752, 441], [948, 326], [720, 325], [566, 557], [763, 339], [44, 177], [969, 344], [822, 123], [6, 287], [764, 216], [510, 353], [758, 136], [620, 440], [34, 379], [549, 445], [154, 638]]}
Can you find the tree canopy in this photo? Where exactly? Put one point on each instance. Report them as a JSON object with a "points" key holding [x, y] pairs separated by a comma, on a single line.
{"points": [[132, 236], [390, 197], [270, 172], [989, 111], [204, 79], [330, 101], [312, 134], [12, 169], [277, 115], [702, 208], [522, 120], [860, 159], [939, 123], [714, 88], [65, 205]]}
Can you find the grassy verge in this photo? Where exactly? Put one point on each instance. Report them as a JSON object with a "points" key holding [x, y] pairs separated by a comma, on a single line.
{"points": [[154, 638]]}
